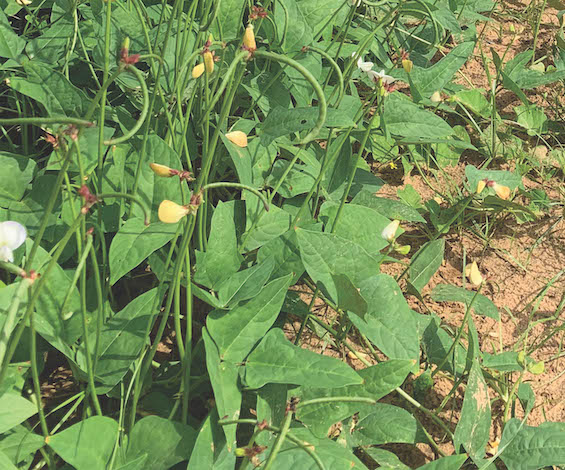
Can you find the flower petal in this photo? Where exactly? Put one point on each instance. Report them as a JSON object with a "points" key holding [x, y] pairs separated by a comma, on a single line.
{"points": [[170, 212], [238, 138], [6, 254], [12, 234]]}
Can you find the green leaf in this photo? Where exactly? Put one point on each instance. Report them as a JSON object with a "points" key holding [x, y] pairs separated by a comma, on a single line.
{"points": [[286, 254], [331, 453], [19, 443], [17, 173], [404, 118], [51, 45], [473, 100], [5, 462], [222, 258], [299, 179], [210, 449], [426, 262], [389, 323], [270, 224], [281, 121], [451, 462], [277, 360], [14, 410], [165, 442], [225, 383], [51, 320], [437, 342], [358, 223], [388, 207], [134, 242], [378, 381], [506, 178], [11, 45], [531, 118], [87, 445], [152, 189], [324, 255], [51, 89], [236, 331], [450, 293], [298, 32], [271, 406], [348, 297], [435, 78], [386, 460], [505, 362], [230, 13], [122, 338], [532, 447], [246, 284], [472, 431], [385, 424]]}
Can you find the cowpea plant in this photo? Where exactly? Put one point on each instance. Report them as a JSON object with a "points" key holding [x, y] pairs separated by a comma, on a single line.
{"points": [[196, 174]]}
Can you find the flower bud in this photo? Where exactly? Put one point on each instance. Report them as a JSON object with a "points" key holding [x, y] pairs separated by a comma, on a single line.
{"points": [[407, 65], [473, 274], [480, 186], [402, 249], [240, 452], [503, 192], [389, 232], [249, 38], [536, 368], [170, 212], [436, 97], [208, 62], [198, 70], [238, 138], [162, 170]]}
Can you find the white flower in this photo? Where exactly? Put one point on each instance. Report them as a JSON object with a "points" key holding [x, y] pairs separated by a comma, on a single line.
{"points": [[362, 65], [376, 76], [12, 235], [389, 232]]}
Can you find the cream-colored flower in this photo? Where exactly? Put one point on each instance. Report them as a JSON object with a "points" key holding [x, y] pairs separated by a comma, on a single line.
{"points": [[209, 62], [473, 274], [480, 186], [436, 97], [381, 77], [238, 138], [12, 236], [24, 3], [249, 38], [407, 65], [198, 70], [170, 212], [362, 65], [162, 170], [503, 192], [389, 232]]}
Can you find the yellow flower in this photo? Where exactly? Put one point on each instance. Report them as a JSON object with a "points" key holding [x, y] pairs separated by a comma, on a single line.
{"points": [[392, 166], [249, 38], [209, 62], [238, 138], [480, 186], [161, 170], [170, 212], [503, 192], [389, 232], [198, 70], [407, 65], [473, 274]]}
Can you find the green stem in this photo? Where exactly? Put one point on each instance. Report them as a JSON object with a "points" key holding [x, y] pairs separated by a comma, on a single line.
{"points": [[223, 184], [35, 295], [132, 198], [10, 321], [279, 441], [333, 63], [144, 110], [39, 121]]}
